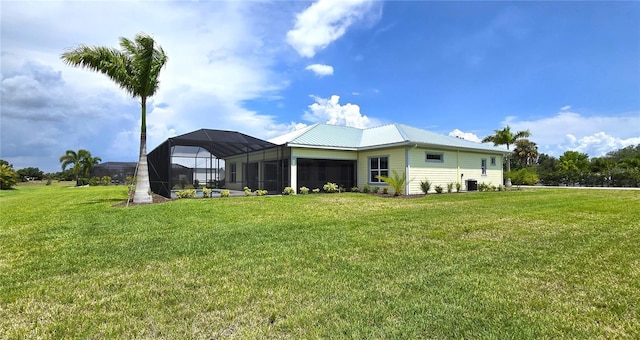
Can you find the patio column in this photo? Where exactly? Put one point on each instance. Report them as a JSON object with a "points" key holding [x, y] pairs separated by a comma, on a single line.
{"points": [[293, 174]]}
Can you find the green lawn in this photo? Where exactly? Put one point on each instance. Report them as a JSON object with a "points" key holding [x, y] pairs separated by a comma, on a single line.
{"points": [[539, 263]]}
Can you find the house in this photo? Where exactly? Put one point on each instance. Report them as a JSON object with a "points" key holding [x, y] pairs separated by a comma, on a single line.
{"points": [[353, 157], [118, 171]]}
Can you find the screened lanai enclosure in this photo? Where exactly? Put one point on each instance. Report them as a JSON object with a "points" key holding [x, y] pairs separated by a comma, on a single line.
{"points": [[199, 158]]}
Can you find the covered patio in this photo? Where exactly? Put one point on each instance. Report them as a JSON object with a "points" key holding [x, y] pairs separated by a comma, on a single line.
{"points": [[198, 158]]}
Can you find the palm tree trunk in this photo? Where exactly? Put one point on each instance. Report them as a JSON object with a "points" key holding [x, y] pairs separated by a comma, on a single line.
{"points": [[143, 188], [508, 181]]}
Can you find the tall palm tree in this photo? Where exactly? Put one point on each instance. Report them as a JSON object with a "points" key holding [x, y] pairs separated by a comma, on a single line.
{"points": [[135, 68], [76, 160], [526, 152], [508, 138]]}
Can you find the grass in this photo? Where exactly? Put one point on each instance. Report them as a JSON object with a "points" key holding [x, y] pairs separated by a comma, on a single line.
{"points": [[522, 264]]}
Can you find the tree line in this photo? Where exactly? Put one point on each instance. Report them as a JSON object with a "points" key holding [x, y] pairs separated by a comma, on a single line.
{"points": [[619, 168], [526, 166], [76, 165]]}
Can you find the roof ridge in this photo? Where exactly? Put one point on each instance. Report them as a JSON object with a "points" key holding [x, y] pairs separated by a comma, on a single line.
{"points": [[400, 129]]}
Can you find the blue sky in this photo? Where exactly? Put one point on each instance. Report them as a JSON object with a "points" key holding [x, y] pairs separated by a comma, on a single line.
{"points": [[567, 71]]}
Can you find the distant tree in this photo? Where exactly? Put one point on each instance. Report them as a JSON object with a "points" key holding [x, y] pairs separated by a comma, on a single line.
{"points": [[136, 69], [630, 163], [629, 174], [508, 138], [547, 170], [8, 177], [73, 159], [601, 171], [81, 162], [525, 152], [66, 175], [88, 163], [624, 153], [572, 165], [30, 173]]}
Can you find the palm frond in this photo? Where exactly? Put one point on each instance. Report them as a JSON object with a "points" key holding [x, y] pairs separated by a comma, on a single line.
{"points": [[396, 182]]}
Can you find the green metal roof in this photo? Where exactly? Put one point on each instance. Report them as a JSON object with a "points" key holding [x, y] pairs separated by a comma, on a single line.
{"points": [[351, 138]]}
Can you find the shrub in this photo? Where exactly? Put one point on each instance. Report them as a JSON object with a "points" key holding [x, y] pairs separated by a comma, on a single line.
{"points": [[450, 187], [261, 192], [366, 189], [524, 176], [375, 190], [316, 190], [225, 193], [330, 187], [288, 191], [304, 190], [355, 189], [425, 186], [105, 180], [94, 181], [439, 189], [196, 183], [396, 181], [486, 187], [247, 191], [458, 186], [206, 192], [8, 177], [186, 193], [385, 190]]}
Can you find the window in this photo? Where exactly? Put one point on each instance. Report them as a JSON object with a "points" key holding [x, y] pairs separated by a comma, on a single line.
{"points": [[434, 157], [493, 161], [232, 172], [378, 166], [483, 165]]}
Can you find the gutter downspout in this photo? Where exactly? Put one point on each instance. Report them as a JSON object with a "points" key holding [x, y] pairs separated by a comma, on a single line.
{"points": [[407, 186]]}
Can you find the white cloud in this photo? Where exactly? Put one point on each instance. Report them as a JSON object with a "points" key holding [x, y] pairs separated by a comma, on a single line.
{"points": [[324, 22], [320, 69], [329, 110], [599, 144], [221, 54], [573, 131], [565, 108], [465, 135]]}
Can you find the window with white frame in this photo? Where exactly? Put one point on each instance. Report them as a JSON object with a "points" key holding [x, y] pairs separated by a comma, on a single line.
{"points": [[378, 166], [483, 166], [232, 172], [437, 157], [493, 160]]}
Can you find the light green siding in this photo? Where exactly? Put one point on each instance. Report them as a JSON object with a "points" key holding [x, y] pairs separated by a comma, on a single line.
{"points": [[396, 157], [456, 166]]}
